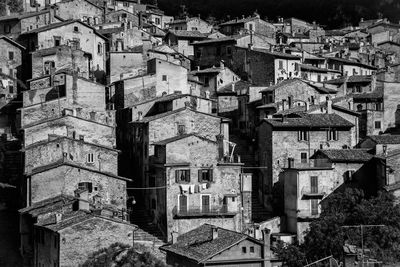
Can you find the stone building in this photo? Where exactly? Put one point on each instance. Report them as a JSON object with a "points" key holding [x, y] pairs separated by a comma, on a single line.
{"points": [[210, 245], [83, 10], [10, 67], [51, 60], [122, 16], [182, 40], [17, 24], [134, 7], [190, 24], [162, 78], [296, 137], [253, 24], [69, 238], [72, 33], [201, 185]]}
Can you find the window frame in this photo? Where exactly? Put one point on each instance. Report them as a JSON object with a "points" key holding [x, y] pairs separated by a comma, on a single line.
{"points": [[205, 172], [90, 158], [302, 159], [179, 173]]}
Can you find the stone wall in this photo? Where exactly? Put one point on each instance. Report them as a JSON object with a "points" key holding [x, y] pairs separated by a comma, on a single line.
{"points": [[64, 180]]}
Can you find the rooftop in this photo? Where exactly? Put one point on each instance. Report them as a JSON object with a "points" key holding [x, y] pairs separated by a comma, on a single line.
{"points": [[310, 121], [345, 155], [180, 137], [188, 34], [352, 79], [385, 139], [199, 245], [48, 205]]}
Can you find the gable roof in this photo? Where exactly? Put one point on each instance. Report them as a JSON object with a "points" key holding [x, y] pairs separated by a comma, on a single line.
{"points": [[188, 34], [310, 121], [323, 90], [344, 155], [238, 21], [48, 205], [61, 24], [9, 40], [198, 244], [180, 137], [60, 163], [384, 139]]}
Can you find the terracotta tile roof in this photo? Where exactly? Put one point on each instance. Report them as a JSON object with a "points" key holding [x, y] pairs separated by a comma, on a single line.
{"points": [[287, 82], [351, 62], [385, 139], [7, 39], [238, 21], [310, 121], [316, 69], [206, 71], [165, 114], [198, 244], [345, 155], [276, 54], [217, 40], [23, 15], [234, 87]]}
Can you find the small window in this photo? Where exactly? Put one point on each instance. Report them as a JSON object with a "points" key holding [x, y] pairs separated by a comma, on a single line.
{"points": [[181, 129], [206, 82], [280, 64], [205, 175], [76, 29], [314, 206], [90, 158], [378, 125], [11, 55], [164, 78], [244, 250], [99, 48], [251, 249], [303, 156], [333, 135], [182, 176], [85, 186], [7, 28], [303, 135]]}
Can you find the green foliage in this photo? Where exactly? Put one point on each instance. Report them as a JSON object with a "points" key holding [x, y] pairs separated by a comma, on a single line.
{"points": [[122, 255], [290, 255]]}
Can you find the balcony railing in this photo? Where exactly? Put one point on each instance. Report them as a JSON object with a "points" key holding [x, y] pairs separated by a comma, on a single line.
{"points": [[318, 192], [197, 211]]}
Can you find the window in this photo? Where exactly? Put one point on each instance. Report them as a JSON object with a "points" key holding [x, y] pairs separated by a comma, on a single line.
{"points": [[349, 175], [76, 29], [332, 135], [86, 186], [181, 129], [157, 21], [11, 72], [11, 89], [244, 250], [303, 135], [198, 53], [314, 206], [206, 81], [378, 125], [7, 28], [205, 203], [57, 40], [96, 20], [303, 157], [11, 55], [205, 175], [90, 158], [229, 50], [99, 48], [182, 176], [183, 203], [251, 249], [280, 64], [319, 78], [251, 27], [164, 78], [379, 106], [314, 184], [194, 29], [218, 51]]}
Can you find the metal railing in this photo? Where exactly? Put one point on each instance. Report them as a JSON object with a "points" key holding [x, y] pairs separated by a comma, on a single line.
{"points": [[202, 211], [318, 191]]}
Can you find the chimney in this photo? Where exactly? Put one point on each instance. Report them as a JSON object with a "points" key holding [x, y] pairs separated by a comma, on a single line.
{"points": [[174, 236], [58, 217], [214, 230], [83, 203], [267, 246], [329, 106]]}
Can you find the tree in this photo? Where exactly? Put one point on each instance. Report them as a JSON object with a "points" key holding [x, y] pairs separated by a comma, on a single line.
{"points": [[290, 255], [14, 5], [327, 236], [122, 255]]}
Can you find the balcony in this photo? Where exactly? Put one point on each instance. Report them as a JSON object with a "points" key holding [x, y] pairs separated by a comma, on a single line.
{"points": [[308, 192], [307, 215], [197, 211]]}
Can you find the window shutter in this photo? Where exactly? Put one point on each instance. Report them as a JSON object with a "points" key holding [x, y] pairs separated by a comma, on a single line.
{"points": [[211, 175], [327, 135], [188, 176], [307, 135], [337, 135], [176, 176], [298, 135], [200, 178]]}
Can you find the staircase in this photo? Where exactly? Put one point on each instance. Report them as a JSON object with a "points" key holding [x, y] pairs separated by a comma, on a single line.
{"points": [[147, 232], [247, 156]]}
